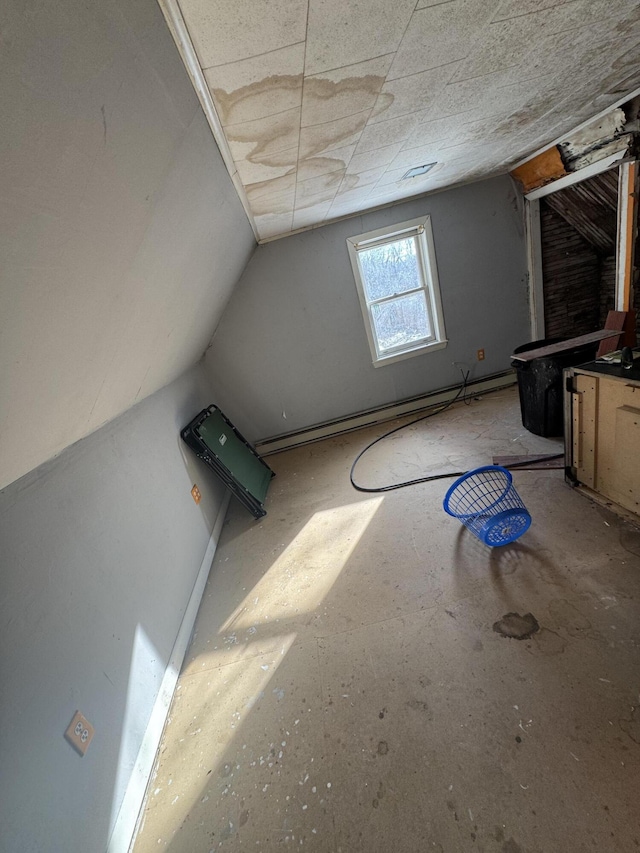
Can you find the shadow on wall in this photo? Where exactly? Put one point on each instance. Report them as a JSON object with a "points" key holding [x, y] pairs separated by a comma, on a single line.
{"points": [[200, 473]]}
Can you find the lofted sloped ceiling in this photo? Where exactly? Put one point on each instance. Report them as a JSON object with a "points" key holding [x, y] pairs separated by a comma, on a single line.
{"points": [[121, 235], [326, 104]]}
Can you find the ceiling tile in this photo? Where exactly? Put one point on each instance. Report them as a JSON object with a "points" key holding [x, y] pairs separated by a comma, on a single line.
{"points": [[334, 161], [267, 166], [441, 34], [342, 33], [373, 159], [434, 130], [442, 151], [357, 182], [258, 87], [472, 153], [350, 202], [410, 94], [331, 135], [224, 32], [317, 190], [453, 128], [474, 85], [579, 47], [461, 176], [354, 199], [251, 140], [389, 193], [386, 133], [310, 215], [275, 203], [343, 92], [393, 175], [348, 208], [274, 196], [262, 188], [389, 190], [494, 94], [269, 224], [320, 198], [507, 43], [342, 210], [432, 152], [521, 8]]}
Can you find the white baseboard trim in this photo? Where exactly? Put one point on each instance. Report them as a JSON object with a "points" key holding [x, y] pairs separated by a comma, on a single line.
{"points": [[126, 824], [379, 415]]}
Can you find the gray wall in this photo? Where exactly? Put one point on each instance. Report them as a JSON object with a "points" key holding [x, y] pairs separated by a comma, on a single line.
{"points": [[100, 551], [121, 235], [292, 338], [121, 238]]}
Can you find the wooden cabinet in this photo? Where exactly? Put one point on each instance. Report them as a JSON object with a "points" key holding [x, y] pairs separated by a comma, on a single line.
{"points": [[602, 432]]}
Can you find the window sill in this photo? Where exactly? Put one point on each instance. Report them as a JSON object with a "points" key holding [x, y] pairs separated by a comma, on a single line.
{"points": [[410, 353]]}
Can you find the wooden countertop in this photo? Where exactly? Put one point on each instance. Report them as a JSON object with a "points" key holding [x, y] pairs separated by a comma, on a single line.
{"points": [[611, 371]]}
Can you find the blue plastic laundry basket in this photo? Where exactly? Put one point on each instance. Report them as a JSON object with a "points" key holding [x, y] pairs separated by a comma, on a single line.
{"points": [[486, 501]]}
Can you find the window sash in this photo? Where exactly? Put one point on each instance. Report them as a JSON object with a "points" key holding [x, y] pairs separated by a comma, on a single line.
{"points": [[386, 241], [420, 231], [423, 287], [402, 234], [416, 342], [420, 289]]}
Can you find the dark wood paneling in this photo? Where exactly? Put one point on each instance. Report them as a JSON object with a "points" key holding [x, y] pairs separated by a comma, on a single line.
{"points": [[571, 274], [607, 287], [590, 207]]}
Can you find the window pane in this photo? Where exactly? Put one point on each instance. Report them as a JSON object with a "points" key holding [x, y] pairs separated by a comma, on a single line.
{"points": [[401, 321], [391, 268]]}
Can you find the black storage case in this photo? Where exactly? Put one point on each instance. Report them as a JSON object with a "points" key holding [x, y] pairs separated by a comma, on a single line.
{"points": [[215, 440]]}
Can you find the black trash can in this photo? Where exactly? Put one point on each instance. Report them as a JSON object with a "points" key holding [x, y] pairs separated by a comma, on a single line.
{"points": [[540, 385]]}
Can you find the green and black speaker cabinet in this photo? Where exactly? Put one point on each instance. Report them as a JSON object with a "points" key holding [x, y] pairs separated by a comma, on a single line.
{"points": [[215, 440]]}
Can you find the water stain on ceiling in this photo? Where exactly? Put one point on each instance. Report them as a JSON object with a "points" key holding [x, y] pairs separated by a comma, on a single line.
{"points": [[325, 104]]}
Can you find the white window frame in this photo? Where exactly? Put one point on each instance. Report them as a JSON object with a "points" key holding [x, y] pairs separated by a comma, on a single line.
{"points": [[422, 231]]}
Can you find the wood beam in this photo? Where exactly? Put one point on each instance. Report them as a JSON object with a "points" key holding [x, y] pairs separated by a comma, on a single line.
{"points": [[540, 170], [627, 226]]}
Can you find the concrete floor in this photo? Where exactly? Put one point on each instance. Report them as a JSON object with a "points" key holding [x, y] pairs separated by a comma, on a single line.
{"points": [[346, 690]]}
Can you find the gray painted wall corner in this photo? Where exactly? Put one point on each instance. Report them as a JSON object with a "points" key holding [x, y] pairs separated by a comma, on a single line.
{"points": [[291, 349]]}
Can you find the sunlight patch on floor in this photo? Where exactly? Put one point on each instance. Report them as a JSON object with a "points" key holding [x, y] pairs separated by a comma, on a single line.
{"points": [[228, 697], [302, 576]]}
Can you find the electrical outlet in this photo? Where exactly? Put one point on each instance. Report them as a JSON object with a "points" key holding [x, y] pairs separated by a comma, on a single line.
{"points": [[195, 494], [480, 355], [80, 733]]}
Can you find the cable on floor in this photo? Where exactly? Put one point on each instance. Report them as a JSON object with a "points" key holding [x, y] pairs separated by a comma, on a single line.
{"points": [[461, 392]]}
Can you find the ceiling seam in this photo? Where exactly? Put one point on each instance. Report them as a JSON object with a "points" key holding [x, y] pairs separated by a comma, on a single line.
{"points": [[534, 12], [351, 64], [304, 68], [253, 56]]}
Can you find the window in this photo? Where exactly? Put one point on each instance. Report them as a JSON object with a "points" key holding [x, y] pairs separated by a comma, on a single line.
{"points": [[397, 282]]}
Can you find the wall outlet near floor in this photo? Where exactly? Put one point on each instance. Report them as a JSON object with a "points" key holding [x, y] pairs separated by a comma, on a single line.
{"points": [[80, 733], [195, 494], [480, 355]]}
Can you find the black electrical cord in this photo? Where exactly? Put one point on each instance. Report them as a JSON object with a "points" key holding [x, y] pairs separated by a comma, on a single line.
{"points": [[430, 478]]}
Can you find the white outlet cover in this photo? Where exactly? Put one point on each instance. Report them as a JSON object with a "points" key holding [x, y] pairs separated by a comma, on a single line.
{"points": [[79, 733]]}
